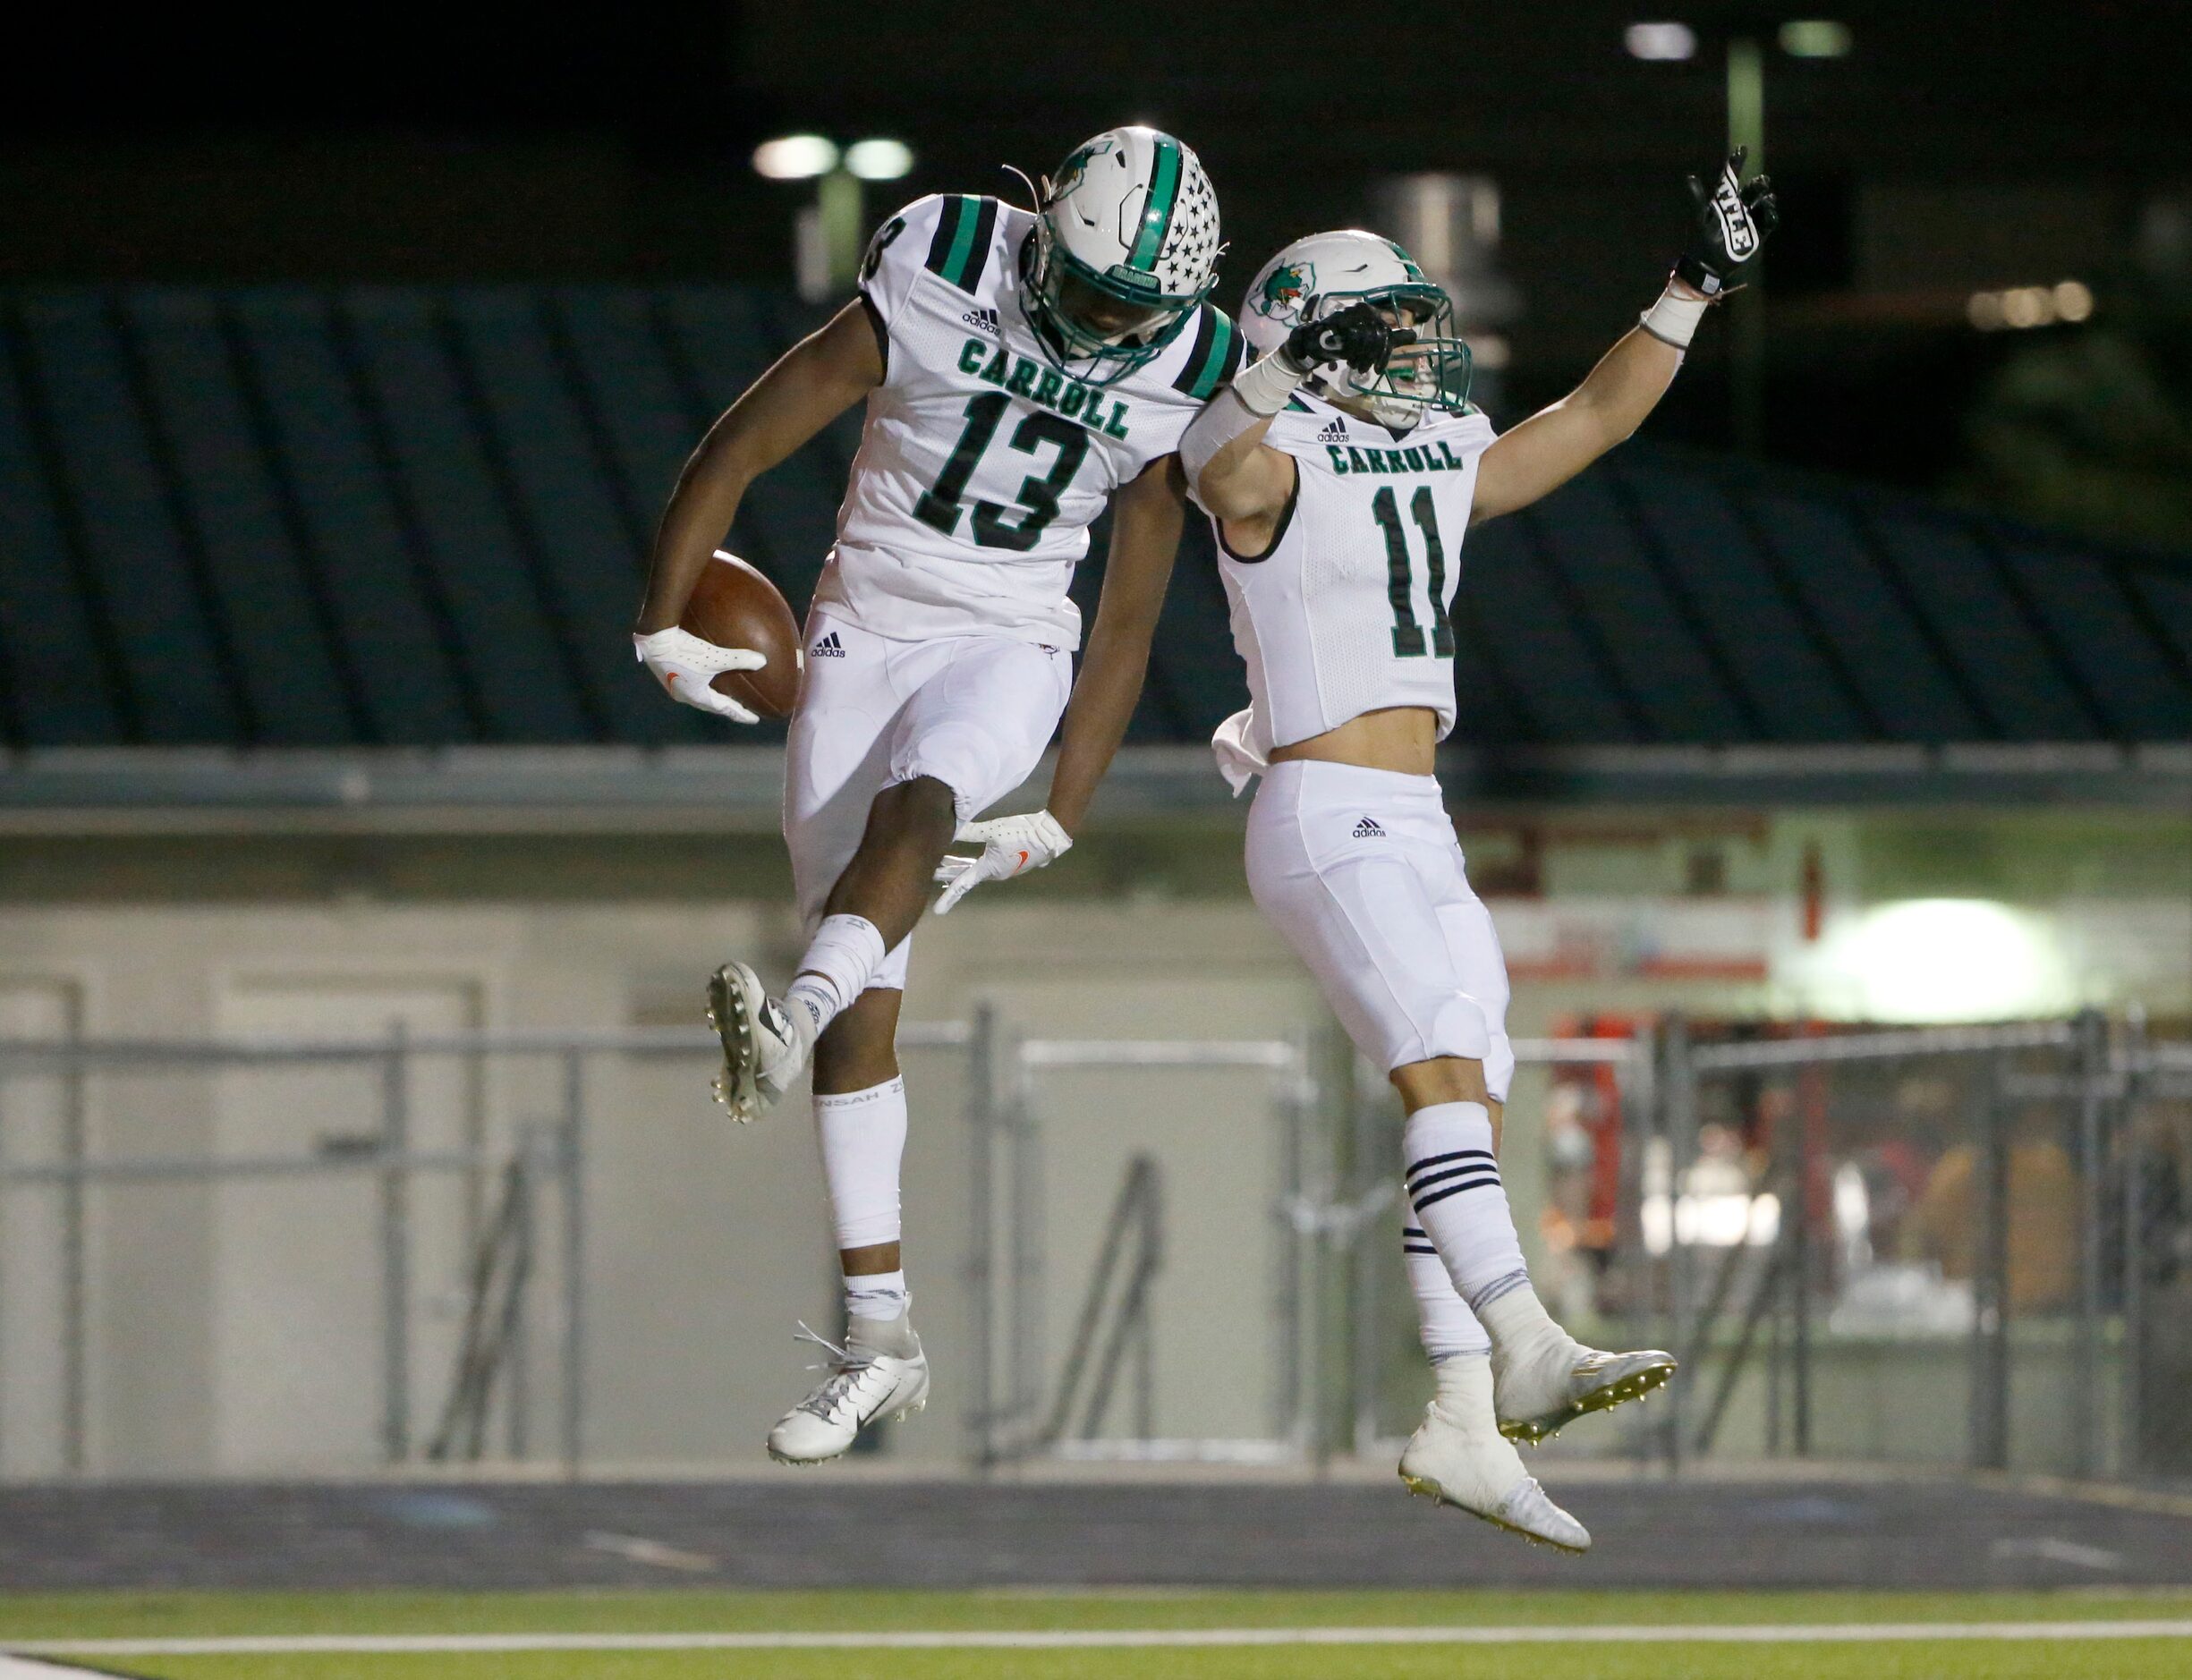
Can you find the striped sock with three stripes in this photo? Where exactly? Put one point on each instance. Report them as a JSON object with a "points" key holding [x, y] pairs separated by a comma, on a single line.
{"points": [[1454, 1188]]}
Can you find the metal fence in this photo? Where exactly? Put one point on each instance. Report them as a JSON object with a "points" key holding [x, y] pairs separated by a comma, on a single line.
{"points": [[1958, 1246], [1955, 1245], [1017, 1408], [523, 1217]]}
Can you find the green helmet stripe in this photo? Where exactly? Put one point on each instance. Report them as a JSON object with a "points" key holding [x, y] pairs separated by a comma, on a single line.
{"points": [[1157, 213]]}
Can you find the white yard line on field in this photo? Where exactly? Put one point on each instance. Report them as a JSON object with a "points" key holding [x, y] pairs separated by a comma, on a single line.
{"points": [[1709, 1633], [22, 1669]]}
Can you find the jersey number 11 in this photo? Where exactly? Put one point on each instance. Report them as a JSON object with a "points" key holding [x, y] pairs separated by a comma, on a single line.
{"points": [[1400, 579]]}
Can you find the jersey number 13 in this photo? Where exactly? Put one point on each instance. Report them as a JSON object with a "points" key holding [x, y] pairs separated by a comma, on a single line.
{"points": [[939, 507]]}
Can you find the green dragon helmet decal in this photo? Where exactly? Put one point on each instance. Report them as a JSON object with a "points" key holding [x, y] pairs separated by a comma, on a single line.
{"points": [[1326, 273], [1071, 172], [1284, 288]]}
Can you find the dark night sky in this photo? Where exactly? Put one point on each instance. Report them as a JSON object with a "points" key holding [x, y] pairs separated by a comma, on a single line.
{"points": [[1961, 145]]}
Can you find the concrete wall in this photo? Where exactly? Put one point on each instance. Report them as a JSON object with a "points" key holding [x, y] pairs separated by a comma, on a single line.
{"points": [[237, 1329]]}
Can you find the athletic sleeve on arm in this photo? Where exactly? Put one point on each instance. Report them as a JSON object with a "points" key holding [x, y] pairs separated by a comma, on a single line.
{"points": [[1225, 418]]}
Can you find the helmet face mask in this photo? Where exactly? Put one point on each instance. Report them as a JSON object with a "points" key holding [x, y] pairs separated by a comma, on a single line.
{"points": [[1433, 372], [1321, 276], [1125, 251]]}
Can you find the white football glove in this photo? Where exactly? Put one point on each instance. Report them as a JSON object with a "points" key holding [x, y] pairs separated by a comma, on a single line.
{"points": [[1010, 846], [684, 665]]}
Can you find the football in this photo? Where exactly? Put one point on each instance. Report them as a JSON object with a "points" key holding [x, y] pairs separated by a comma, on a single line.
{"points": [[734, 605]]}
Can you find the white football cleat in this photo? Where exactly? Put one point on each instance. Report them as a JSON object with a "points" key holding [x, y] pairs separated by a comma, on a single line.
{"points": [[865, 1382], [1475, 1469], [1540, 1395], [765, 1045]]}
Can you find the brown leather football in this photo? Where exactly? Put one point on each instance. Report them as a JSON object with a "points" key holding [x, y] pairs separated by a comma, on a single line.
{"points": [[734, 605]]}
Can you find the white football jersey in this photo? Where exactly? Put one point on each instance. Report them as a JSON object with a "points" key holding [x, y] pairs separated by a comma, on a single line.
{"points": [[1348, 613], [982, 465]]}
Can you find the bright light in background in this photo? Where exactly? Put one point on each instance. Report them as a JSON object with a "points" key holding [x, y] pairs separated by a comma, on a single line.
{"points": [[878, 159], [1816, 37], [1489, 351], [1661, 42], [795, 158], [2019, 308], [1948, 960], [1728, 1219]]}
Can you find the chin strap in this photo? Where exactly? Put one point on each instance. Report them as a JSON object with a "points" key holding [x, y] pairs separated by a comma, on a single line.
{"points": [[1041, 195]]}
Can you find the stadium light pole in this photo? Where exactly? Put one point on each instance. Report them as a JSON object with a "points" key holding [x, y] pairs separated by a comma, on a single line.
{"points": [[826, 234], [1746, 334], [1799, 37]]}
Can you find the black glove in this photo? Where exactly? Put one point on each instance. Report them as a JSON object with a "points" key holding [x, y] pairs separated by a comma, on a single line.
{"points": [[1357, 336], [1731, 223]]}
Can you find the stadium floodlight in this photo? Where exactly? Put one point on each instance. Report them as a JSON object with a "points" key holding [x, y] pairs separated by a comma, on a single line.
{"points": [[1952, 960], [2022, 308], [2027, 306], [795, 158], [878, 159], [2073, 301], [1668, 43], [1816, 37]]}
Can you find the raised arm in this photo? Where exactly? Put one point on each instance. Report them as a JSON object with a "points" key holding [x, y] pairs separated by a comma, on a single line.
{"points": [[809, 386], [1146, 515], [1243, 481], [1240, 478], [1554, 444]]}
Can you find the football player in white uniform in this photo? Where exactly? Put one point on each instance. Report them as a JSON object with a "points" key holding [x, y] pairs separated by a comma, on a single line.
{"points": [[1342, 470], [1022, 370]]}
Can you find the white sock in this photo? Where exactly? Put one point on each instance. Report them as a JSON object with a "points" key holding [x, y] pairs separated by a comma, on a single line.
{"points": [[841, 959], [1520, 1327], [1453, 1183], [1449, 1330], [878, 1316], [862, 1135], [1465, 1392], [877, 1296]]}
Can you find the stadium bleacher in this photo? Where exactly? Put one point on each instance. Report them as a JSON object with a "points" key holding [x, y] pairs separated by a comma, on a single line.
{"points": [[415, 516]]}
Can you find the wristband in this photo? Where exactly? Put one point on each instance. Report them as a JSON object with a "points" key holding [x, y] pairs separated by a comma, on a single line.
{"points": [[1264, 388], [1673, 320]]}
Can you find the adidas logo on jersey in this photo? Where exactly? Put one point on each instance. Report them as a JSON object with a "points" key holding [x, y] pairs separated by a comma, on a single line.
{"points": [[982, 320], [1334, 433], [1368, 829], [829, 648]]}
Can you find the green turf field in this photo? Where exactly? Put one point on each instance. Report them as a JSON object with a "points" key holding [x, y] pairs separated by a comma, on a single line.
{"points": [[28, 1622]]}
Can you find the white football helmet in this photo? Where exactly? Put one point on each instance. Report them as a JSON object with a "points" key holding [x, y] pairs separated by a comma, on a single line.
{"points": [[1326, 273], [1125, 249]]}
